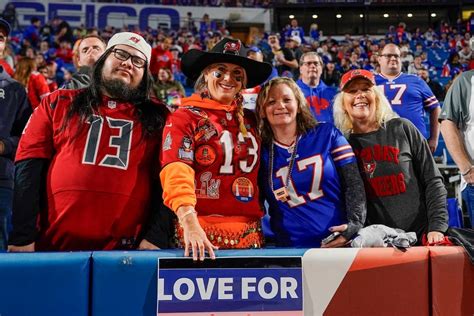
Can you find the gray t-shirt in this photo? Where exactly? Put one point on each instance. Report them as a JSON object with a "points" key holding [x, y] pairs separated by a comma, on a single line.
{"points": [[403, 186]]}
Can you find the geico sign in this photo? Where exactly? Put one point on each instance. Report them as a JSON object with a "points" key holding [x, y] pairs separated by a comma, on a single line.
{"points": [[93, 14]]}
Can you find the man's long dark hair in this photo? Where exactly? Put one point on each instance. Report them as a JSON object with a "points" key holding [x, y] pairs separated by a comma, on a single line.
{"points": [[87, 102]]}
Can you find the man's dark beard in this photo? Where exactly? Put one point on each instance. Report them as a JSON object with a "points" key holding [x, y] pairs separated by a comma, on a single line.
{"points": [[117, 89]]}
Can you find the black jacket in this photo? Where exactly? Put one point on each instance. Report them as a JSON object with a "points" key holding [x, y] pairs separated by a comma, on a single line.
{"points": [[81, 79], [14, 113]]}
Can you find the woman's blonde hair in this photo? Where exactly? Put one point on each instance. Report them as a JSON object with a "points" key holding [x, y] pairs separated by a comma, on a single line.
{"points": [[304, 119], [342, 120]]}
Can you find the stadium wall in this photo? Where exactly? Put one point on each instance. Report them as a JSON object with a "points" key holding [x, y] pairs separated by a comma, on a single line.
{"points": [[370, 281]]}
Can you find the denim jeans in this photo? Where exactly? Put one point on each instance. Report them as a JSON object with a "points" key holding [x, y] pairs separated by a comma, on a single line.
{"points": [[468, 197], [6, 199]]}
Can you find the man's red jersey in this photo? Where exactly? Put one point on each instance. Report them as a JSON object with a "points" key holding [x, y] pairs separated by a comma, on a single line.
{"points": [[225, 162], [98, 182]]}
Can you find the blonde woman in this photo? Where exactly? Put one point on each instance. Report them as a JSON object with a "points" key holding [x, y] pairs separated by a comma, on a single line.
{"points": [[404, 188], [211, 153]]}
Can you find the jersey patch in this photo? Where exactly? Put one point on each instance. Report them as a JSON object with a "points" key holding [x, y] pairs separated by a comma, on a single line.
{"points": [[205, 130], [243, 190], [205, 155], [185, 152], [168, 141], [208, 187]]}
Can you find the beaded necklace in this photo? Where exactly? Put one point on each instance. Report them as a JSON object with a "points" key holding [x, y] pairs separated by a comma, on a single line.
{"points": [[282, 194]]}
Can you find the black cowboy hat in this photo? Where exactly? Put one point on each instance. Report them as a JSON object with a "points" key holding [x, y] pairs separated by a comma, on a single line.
{"points": [[225, 51], [5, 25]]}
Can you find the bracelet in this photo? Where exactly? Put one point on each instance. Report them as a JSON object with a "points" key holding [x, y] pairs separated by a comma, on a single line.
{"points": [[465, 173], [188, 212]]}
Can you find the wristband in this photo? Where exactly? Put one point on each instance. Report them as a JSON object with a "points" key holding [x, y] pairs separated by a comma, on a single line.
{"points": [[188, 212], [465, 173]]}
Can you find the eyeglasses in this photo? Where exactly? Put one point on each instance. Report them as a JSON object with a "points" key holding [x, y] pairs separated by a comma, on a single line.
{"points": [[123, 55], [389, 56], [309, 63]]}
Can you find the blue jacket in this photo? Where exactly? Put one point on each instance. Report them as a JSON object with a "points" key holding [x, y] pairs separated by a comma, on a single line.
{"points": [[14, 113], [319, 99]]}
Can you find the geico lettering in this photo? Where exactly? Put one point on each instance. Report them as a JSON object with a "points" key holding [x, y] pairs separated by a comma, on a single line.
{"points": [[388, 185], [95, 14], [267, 288]]}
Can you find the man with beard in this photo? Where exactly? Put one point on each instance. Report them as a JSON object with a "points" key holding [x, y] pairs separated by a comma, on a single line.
{"points": [[88, 51], [318, 95], [86, 160]]}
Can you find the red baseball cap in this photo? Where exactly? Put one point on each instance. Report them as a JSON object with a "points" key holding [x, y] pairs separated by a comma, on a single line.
{"points": [[356, 73]]}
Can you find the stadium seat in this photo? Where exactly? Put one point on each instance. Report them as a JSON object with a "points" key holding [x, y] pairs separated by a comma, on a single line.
{"points": [[454, 213]]}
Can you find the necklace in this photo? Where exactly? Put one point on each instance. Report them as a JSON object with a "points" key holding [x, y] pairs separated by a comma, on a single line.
{"points": [[282, 194]]}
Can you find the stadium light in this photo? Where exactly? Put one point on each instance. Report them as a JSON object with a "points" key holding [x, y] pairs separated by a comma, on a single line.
{"points": [[409, 15], [433, 15], [338, 16], [315, 16], [361, 15], [385, 15], [291, 16]]}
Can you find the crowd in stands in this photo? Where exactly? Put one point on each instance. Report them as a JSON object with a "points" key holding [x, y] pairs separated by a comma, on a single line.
{"points": [[443, 53]]}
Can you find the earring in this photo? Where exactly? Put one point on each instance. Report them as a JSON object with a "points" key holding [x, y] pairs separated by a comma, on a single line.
{"points": [[205, 94], [238, 98]]}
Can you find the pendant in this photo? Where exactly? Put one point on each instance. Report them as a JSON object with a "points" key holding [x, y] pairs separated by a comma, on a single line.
{"points": [[281, 194]]}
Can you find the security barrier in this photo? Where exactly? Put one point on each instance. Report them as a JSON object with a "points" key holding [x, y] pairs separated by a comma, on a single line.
{"points": [[377, 281], [44, 284], [452, 282]]}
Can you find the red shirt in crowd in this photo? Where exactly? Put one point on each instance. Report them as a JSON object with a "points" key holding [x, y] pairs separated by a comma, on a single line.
{"points": [[37, 89], [160, 59]]}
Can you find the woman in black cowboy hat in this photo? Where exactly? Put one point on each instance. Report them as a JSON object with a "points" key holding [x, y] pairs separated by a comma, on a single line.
{"points": [[211, 153]]}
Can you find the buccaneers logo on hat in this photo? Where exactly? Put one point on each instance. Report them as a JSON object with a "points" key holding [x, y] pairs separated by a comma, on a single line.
{"points": [[134, 39], [232, 48]]}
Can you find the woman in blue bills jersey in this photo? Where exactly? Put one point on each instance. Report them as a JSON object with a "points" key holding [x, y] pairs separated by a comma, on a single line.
{"points": [[309, 174]]}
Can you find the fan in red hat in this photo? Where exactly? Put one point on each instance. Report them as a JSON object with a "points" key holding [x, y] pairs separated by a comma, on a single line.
{"points": [[404, 188]]}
